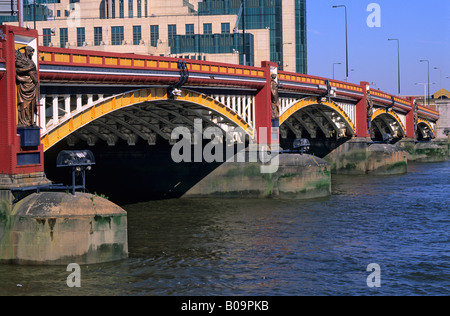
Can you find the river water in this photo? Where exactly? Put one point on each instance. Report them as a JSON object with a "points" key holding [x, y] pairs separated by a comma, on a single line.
{"points": [[277, 247]]}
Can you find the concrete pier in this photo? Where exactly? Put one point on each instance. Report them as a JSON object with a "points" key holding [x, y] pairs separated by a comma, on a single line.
{"points": [[297, 177], [362, 156], [425, 151], [59, 228]]}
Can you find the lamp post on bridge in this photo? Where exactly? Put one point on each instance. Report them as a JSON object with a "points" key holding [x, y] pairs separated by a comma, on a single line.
{"points": [[333, 67], [398, 61], [428, 63], [440, 80], [346, 40], [424, 90]]}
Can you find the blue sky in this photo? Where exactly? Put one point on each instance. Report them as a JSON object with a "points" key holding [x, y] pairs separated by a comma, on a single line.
{"points": [[423, 28]]}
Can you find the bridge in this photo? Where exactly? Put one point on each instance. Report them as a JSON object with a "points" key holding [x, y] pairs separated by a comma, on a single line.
{"points": [[131, 111], [93, 98], [84, 93]]}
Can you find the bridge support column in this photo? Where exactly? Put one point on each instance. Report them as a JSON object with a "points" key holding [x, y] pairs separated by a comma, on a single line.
{"points": [[54, 228], [263, 103], [43, 227], [361, 156], [297, 177], [423, 151], [420, 151], [20, 148], [362, 128]]}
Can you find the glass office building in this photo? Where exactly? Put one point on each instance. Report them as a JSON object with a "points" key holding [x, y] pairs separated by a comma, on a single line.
{"points": [[267, 14], [224, 43], [300, 37]]}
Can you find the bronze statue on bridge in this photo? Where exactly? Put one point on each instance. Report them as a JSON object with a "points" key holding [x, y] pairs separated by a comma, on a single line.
{"points": [[27, 86], [275, 102]]}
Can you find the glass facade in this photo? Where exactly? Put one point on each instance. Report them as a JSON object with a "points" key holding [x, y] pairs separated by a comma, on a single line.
{"points": [[40, 11], [300, 37], [258, 14], [213, 44], [265, 14]]}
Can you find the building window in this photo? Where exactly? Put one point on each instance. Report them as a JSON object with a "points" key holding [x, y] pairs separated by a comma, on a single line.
{"points": [[172, 31], [113, 9], [207, 28], [225, 28], [121, 9], [137, 35], [81, 37], [117, 36], [154, 35], [189, 29], [98, 36], [130, 8], [63, 37], [47, 38], [139, 9]]}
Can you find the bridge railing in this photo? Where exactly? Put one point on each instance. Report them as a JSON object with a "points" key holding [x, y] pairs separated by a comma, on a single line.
{"points": [[318, 83], [86, 58], [428, 112], [318, 86], [209, 74]]}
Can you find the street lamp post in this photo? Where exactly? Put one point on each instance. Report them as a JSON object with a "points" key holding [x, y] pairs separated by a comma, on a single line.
{"points": [[440, 80], [428, 62], [424, 90], [346, 39], [398, 61], [333, 67]]}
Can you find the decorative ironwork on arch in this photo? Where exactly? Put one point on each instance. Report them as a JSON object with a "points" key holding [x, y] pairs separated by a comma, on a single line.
{"points": [[92, 112], [327, 104], [422, 122], [393, 116]]}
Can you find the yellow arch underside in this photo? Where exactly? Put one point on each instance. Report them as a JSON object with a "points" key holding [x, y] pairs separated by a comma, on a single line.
{"points": [[422, 121], [134, 97], [313, 100], [391, 113]]}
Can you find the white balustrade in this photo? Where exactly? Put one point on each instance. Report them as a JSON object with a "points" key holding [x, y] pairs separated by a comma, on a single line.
{"points": [[56, 108], [242, 105]]}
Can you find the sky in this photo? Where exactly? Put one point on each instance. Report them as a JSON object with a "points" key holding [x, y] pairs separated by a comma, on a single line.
{"points": [[423, 30]]}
